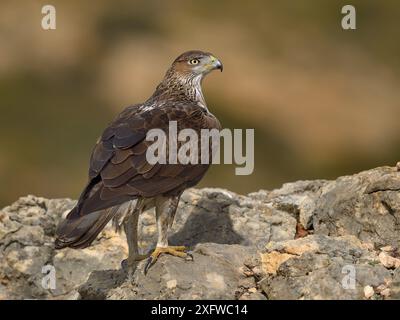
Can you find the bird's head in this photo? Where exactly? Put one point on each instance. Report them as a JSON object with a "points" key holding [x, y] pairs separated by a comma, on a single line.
{"points": [[195, 64], [185, 76]]}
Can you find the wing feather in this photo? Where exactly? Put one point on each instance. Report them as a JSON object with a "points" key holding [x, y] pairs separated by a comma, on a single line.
{"points": [[119, 171], [119, 157]]}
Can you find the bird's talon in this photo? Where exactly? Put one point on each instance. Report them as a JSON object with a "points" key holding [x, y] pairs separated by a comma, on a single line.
{"points": [[128, 268], [177, 251], [124, 264], [149, 263]]}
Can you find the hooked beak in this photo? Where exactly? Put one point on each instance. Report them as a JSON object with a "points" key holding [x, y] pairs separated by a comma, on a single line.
{"points": [[219, 65], [216, 64]]}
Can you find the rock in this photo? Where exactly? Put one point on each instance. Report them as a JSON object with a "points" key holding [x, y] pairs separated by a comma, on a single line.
{"points": [[387, 249], [252, 296], [395, 285], [368, 292], [385, 293], [272, 261], [388, 261], [214, 274], [306, 240], [322, 267], [220, 216], [298, 198], [26, 250], [366, 205]]}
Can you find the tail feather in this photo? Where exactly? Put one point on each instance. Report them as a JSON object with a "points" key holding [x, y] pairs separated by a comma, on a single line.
{"points": [[81, 231], [78, 231], [85, 221]]}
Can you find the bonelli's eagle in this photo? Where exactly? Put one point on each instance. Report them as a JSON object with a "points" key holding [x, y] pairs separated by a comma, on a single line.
{"points": [[120, 177]]}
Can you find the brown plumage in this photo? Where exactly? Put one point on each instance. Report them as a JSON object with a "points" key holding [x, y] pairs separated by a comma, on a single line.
{"points": [[119, 171]]}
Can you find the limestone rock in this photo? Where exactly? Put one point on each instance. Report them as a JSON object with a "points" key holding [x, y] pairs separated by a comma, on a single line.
{"points": [[306, 240], [27, 249], [322, 267], [213, 274]]}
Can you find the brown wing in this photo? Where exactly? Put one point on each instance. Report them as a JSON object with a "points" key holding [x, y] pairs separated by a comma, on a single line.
{"points": [[119, 170]]}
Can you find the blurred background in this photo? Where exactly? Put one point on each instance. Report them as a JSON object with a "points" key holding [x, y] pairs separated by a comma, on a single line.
{"points": [[323, 101]]}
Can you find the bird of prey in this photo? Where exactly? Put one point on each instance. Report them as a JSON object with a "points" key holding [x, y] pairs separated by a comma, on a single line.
{"points": [[122, 183]]}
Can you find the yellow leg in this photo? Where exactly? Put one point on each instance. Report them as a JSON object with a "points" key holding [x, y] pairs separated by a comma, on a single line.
{"points": [[177, 251], [129, 264]]}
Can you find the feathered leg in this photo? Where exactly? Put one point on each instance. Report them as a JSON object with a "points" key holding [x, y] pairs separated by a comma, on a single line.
{"points": [[165, 213], [131, 231]]}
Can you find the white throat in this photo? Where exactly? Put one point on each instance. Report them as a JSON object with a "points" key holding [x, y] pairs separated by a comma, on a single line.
{"points": [[198, 91]]}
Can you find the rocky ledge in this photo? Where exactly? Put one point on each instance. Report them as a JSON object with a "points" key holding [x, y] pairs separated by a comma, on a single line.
{"points": [[307, 240]]}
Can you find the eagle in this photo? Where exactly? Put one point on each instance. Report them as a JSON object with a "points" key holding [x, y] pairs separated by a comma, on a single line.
{"points": [[122, 183]]}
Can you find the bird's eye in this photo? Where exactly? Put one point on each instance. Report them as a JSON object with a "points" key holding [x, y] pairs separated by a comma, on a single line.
{"points": [[194, 61]]}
